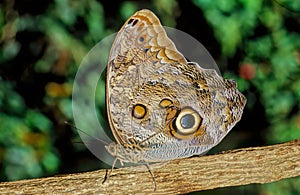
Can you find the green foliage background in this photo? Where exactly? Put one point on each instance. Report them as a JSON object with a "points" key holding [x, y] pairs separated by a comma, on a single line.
{"points": [[257, 43]]}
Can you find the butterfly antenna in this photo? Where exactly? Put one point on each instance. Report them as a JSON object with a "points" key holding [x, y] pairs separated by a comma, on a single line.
{"points": [[67, 123]]}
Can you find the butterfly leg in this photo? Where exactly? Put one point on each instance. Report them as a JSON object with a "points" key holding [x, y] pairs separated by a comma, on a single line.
{"points": [[105, 177], [152, 175], [107, 174]]}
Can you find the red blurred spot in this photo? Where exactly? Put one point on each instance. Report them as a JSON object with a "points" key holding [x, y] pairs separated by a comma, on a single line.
{"points": [[247, 71]]}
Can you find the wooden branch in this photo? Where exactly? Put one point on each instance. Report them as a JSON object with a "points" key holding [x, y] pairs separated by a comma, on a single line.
{"points": [[232, 168]]}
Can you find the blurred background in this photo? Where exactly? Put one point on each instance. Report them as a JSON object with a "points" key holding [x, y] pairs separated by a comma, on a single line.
{"points": [[42, 44]]}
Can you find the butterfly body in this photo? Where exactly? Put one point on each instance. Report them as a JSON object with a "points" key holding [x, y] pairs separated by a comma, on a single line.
{"points": [[161, 107]]}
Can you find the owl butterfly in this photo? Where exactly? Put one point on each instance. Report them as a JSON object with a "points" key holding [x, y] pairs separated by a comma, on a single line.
{"points": [[160, 106]]}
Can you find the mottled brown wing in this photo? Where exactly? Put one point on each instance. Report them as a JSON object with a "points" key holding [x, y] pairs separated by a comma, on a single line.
{"points": [[137, 52], [160, 103]]}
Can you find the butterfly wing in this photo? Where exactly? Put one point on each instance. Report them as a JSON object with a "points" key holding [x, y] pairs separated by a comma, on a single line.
{"points": [[160, 103], [139, 49]]}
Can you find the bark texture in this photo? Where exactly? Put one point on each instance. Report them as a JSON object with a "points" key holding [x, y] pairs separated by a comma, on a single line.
{"points": [[233, 168]]}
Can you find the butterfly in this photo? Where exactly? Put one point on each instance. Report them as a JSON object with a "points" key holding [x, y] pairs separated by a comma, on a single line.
{"points": [[160, 106]]}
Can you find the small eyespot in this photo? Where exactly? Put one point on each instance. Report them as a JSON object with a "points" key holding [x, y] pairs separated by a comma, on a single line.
{"points": [[141, 39], [164, 103], [139, 111]]}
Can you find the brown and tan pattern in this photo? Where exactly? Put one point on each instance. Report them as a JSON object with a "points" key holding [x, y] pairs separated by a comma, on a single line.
{"points": [[160, 106]]}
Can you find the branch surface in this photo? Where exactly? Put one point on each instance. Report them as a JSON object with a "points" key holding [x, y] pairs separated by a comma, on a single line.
{"points": [[232, 168]]}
